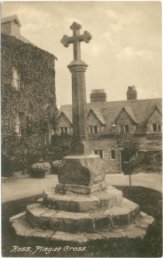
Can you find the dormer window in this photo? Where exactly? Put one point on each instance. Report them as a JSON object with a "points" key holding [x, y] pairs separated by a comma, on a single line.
{"points": [[156, 128], [15, 78], [93, 129], [64, 130], [17, 125], [124, 128]]}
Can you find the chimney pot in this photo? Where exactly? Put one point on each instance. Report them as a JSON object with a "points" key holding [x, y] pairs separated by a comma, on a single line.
{"points": [[131, 93], [98, 95]]}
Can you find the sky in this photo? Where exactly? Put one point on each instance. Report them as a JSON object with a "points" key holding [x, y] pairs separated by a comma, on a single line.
{"points": [[125, 48]]}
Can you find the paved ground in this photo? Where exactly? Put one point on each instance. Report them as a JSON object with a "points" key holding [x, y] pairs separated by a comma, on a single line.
{"points": [[149, 180], [14, 189]]}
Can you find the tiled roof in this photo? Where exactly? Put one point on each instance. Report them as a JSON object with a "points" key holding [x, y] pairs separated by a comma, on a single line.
{"points": [[139, 110]]}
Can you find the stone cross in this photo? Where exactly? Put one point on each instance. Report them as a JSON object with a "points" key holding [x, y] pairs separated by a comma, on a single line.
{"points": [[76, 39], [77, 68]]}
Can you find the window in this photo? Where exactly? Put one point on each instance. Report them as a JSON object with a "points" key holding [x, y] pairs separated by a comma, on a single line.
{"points": [[156, 128], [17, 125], [99, 152], [124, 128], [15, 78], [113, 154], [64, 130], [93, 129]]}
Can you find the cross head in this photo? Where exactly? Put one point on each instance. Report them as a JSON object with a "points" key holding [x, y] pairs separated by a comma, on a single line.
{"points": [[75, 39]]}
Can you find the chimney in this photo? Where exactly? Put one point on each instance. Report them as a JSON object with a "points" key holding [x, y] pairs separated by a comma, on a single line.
{"points": [[98, 95], [11, 26], [131, 93]]}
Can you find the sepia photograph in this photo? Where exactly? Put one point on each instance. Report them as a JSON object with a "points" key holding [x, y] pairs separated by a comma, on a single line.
{"points": [[81, 129]]}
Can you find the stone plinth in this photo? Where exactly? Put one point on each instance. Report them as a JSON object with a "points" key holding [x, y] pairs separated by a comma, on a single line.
{"points": [[81, 174]]}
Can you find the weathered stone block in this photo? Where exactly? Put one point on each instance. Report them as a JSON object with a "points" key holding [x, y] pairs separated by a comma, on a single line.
{"points": [[45, 234], [80, 189], [72, 222], [33, 213], [68, 237], [21, 226], [109, 198], [73, 202], [101, 222], [82, 170]]}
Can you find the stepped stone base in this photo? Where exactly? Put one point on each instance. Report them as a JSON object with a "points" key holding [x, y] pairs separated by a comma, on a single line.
{"points": [[109, 198], [82, 208], [135, 230]]}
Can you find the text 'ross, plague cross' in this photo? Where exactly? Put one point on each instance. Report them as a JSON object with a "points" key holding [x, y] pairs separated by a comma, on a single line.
{"points": [[76, 39]]}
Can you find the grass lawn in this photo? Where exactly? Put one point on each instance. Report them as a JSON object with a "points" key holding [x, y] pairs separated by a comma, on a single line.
{"points": [[149, 201]]}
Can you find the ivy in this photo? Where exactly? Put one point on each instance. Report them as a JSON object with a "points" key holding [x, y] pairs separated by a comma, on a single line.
{"points": [[36, 68]]}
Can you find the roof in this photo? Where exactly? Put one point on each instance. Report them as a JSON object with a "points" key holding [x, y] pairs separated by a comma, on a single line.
{"points": [[139, 110], [11, 18]]}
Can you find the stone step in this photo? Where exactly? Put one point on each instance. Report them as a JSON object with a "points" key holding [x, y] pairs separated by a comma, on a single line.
{"points": [[109, 198], [39, 215], [136, 230]]}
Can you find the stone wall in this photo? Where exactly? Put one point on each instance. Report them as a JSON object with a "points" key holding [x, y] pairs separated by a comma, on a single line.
{"points": [[108, 144]]}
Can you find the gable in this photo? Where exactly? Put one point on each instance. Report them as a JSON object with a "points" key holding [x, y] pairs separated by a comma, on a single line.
{"points": [[63, 121], [124, 118], [92, 119], [155, 117], [95, 116]]}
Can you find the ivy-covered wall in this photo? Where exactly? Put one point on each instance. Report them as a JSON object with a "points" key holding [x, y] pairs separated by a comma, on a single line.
{"points": [[35, 101]]}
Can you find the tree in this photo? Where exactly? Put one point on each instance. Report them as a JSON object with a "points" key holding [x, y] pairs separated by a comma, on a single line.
{"points": [[129, 152]]}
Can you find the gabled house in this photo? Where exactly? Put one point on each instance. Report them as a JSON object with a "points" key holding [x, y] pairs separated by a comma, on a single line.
{"points": [[109, 122]]}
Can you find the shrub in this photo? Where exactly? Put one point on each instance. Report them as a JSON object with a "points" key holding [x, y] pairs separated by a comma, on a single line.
{"points": [[150, 160], [55, 165], [40, 169]]}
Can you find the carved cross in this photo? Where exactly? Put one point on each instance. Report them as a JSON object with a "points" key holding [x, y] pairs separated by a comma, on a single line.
{"points": [[76, 39]]}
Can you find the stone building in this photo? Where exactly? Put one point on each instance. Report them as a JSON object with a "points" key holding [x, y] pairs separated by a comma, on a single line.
{"points": [[28, 92], [112, 123]]}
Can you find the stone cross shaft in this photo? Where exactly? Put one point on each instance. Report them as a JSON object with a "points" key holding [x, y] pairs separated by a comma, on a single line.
{"points": [[76, 39], [77, 68]]}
